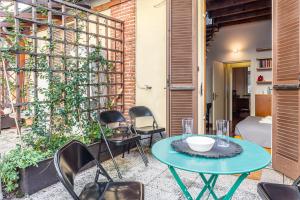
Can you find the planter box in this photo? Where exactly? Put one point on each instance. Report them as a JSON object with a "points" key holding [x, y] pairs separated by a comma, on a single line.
{"points": [[33, 179]]}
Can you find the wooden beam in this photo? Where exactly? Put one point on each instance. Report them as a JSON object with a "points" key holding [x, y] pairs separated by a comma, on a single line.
{"points": [[108, 5], [242, 21], [211, 27], [248, 7], [243, 16], [219, 4], [263, 49]]}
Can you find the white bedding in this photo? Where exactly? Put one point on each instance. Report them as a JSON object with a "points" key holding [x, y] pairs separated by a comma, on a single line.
{"points": [[256, 129]]}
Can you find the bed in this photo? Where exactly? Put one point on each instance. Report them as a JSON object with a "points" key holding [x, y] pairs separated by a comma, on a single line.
{"points": [[258, 129]]}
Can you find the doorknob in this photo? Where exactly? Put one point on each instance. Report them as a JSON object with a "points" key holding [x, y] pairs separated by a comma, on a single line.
{"points": [[214, 96]]}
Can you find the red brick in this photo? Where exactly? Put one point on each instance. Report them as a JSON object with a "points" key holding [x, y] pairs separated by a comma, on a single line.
{"points": [[127, 12]]}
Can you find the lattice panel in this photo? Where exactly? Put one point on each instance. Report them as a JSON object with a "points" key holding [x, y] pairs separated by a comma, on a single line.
{"points": [[72, 34]]}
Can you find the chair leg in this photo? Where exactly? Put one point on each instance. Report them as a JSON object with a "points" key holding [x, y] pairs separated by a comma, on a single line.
{"points": [[151, 138], [113, 159], [123, 151], [129, 148], [142, 153], [161, 135]]}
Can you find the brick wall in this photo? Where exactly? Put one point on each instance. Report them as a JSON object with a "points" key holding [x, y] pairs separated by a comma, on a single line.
{"points": [[127, 12]]}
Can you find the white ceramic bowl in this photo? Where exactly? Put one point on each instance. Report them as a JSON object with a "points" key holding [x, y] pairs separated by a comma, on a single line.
{"points": [[200, 143]]}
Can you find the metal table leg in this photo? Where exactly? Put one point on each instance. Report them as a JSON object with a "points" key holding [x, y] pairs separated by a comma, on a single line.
{"points": [[235, 186], [180, 183], [209, 184]]}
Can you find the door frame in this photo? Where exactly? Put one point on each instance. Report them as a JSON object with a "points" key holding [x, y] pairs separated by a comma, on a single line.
{"points": [[202, 67], [228, 87], [214, 118]]}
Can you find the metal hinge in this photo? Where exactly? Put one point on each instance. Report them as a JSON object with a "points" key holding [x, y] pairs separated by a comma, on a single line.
{"points": [[201, 89]]}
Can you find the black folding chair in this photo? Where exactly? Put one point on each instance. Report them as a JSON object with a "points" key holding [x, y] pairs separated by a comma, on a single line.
{"points": [[207, 116], [142, 111], [73, 157], [273, 191], [122, 134]]}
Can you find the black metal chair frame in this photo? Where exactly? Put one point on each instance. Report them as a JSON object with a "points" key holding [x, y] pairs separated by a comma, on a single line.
{"points": [[207, 116], [147, 113], [128, 131], [65, 181], [265, 196]]}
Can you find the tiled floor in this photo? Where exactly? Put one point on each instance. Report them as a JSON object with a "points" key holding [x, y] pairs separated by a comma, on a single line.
{"points": [[8, 140], [158, 181]]}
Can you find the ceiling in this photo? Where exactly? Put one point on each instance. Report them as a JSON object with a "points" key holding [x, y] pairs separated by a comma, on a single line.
{"points": [[231, 12]]}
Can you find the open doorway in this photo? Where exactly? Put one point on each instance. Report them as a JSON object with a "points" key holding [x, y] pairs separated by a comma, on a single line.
{"points": [[231, 86], [239, 87], [239, 68]]}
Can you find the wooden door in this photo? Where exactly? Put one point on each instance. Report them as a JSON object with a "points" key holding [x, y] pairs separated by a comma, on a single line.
{"points": [[218, 105], [181, 64], [286, 95]]}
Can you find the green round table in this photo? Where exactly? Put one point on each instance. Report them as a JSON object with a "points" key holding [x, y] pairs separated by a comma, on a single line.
{"points": [[252, 158]]}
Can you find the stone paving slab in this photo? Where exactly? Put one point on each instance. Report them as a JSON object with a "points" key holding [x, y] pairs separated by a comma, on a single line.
{"points": [[158, 181], [159, 184], [8, 140]]}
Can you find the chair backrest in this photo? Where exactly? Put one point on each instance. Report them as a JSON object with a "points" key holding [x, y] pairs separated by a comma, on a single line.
{"points": [[69, 160], [111, 116], [208, 107], [140, 111]]}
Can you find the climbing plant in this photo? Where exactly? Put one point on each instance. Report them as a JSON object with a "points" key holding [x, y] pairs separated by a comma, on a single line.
{"points": [[59, 108]]}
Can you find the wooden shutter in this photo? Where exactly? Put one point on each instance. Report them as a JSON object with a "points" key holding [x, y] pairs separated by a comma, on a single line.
{"points": [[286, 95], [182, 64]]}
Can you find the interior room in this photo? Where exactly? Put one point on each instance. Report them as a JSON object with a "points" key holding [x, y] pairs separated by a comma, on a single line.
{"points": [[239, 72]]}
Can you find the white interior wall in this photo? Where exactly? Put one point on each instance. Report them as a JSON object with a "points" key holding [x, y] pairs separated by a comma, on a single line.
{"points": [[246, 38]]}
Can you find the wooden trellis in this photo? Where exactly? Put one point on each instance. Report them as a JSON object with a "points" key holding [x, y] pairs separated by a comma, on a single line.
{"points": [[74, 32]]}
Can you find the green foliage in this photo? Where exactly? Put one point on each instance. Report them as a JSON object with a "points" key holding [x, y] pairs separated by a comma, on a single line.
{"points": [[16, 159], [92, 132], [63, 98], [109, 104], [58, 117], [49, 145], [38, 148]]}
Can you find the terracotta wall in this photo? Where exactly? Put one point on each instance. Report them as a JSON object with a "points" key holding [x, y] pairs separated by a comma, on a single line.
{"points": [[127, 12]]}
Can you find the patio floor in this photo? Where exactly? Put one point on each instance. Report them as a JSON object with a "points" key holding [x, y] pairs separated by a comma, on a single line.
{"points": [[8, 140], [158, 181]]}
